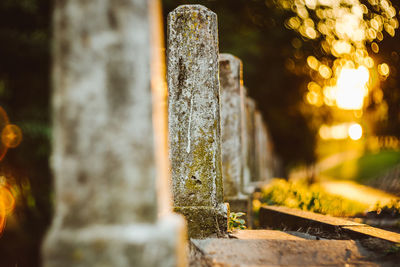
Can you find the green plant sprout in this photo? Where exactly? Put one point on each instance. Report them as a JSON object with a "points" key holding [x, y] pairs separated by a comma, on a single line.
{"points": [[235, 222]]}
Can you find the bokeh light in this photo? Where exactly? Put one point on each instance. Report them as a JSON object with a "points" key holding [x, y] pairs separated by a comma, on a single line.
{"points": [[348, 30], [7, 203], [383, 69], [351, 88], [355, 131], [3, 122], [11, 136], [341, 131]]}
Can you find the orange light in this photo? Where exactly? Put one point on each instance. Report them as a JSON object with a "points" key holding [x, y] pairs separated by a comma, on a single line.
{"points": [[341, 131], [3, 123], [7, 203], [11, 136], [383, 69]]}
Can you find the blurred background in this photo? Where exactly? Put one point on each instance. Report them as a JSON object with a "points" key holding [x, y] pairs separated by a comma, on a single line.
{"points": [[323, 73]]}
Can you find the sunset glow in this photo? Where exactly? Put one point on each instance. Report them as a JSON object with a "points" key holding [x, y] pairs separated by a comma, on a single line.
{"points": [[351, 88]]}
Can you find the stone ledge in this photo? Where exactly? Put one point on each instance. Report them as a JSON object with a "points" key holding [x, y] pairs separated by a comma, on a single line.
{"points": [[279, 252], [293, 219], [369, 231]]}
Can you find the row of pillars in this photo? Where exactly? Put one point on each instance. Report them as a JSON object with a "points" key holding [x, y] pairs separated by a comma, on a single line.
{"points": [[110, 143], [219, 147]]}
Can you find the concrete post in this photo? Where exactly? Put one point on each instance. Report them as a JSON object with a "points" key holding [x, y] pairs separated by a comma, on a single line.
{"points": [[250, 161], [230, 75], [267, 155], [194, 120], [260, 147], [263, 150], [232, 98], [103, 154]]}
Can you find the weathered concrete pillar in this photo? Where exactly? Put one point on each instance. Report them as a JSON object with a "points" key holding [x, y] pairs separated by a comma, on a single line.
{"points": [[245, 178], [250, 161], [194, 119], [103, 154], [262, 150], [259, 148], [267, 159], [230, 75], [232, 98]]}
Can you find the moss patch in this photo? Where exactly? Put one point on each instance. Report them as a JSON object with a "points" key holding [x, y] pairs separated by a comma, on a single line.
{"points": [[204, 222]]}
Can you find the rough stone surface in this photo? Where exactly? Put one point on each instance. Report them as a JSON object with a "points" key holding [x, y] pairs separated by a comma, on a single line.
{"points": [[282, 252], [230, 77], [205, 221], [103, 159], [194, 112]]}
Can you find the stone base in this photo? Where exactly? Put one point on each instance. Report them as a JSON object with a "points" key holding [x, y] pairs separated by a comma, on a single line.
{"points": [[205, 221], [161, 244]]}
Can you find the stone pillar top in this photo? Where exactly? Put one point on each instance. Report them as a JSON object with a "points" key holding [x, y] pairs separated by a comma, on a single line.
{"points": [[185, 8], [235, 63], [229, 57]]}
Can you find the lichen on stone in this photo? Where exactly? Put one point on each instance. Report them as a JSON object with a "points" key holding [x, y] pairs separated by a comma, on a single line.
{"points": [[193, 105]]}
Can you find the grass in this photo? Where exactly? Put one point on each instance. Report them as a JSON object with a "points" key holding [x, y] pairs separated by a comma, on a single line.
{"points": [[304, 197], [367, 167]]}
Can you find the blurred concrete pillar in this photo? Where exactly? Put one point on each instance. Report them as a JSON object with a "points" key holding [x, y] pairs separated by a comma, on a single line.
{"points": [[231, 85], [103, 158], [268, 160], [194, 120], [230, 71], [262, 150], [250, 173]]}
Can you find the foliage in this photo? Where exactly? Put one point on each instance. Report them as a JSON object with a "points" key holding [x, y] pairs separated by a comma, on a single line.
{"points": [[235, 222], [366, 167], [394, 249], [310, 198]]}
